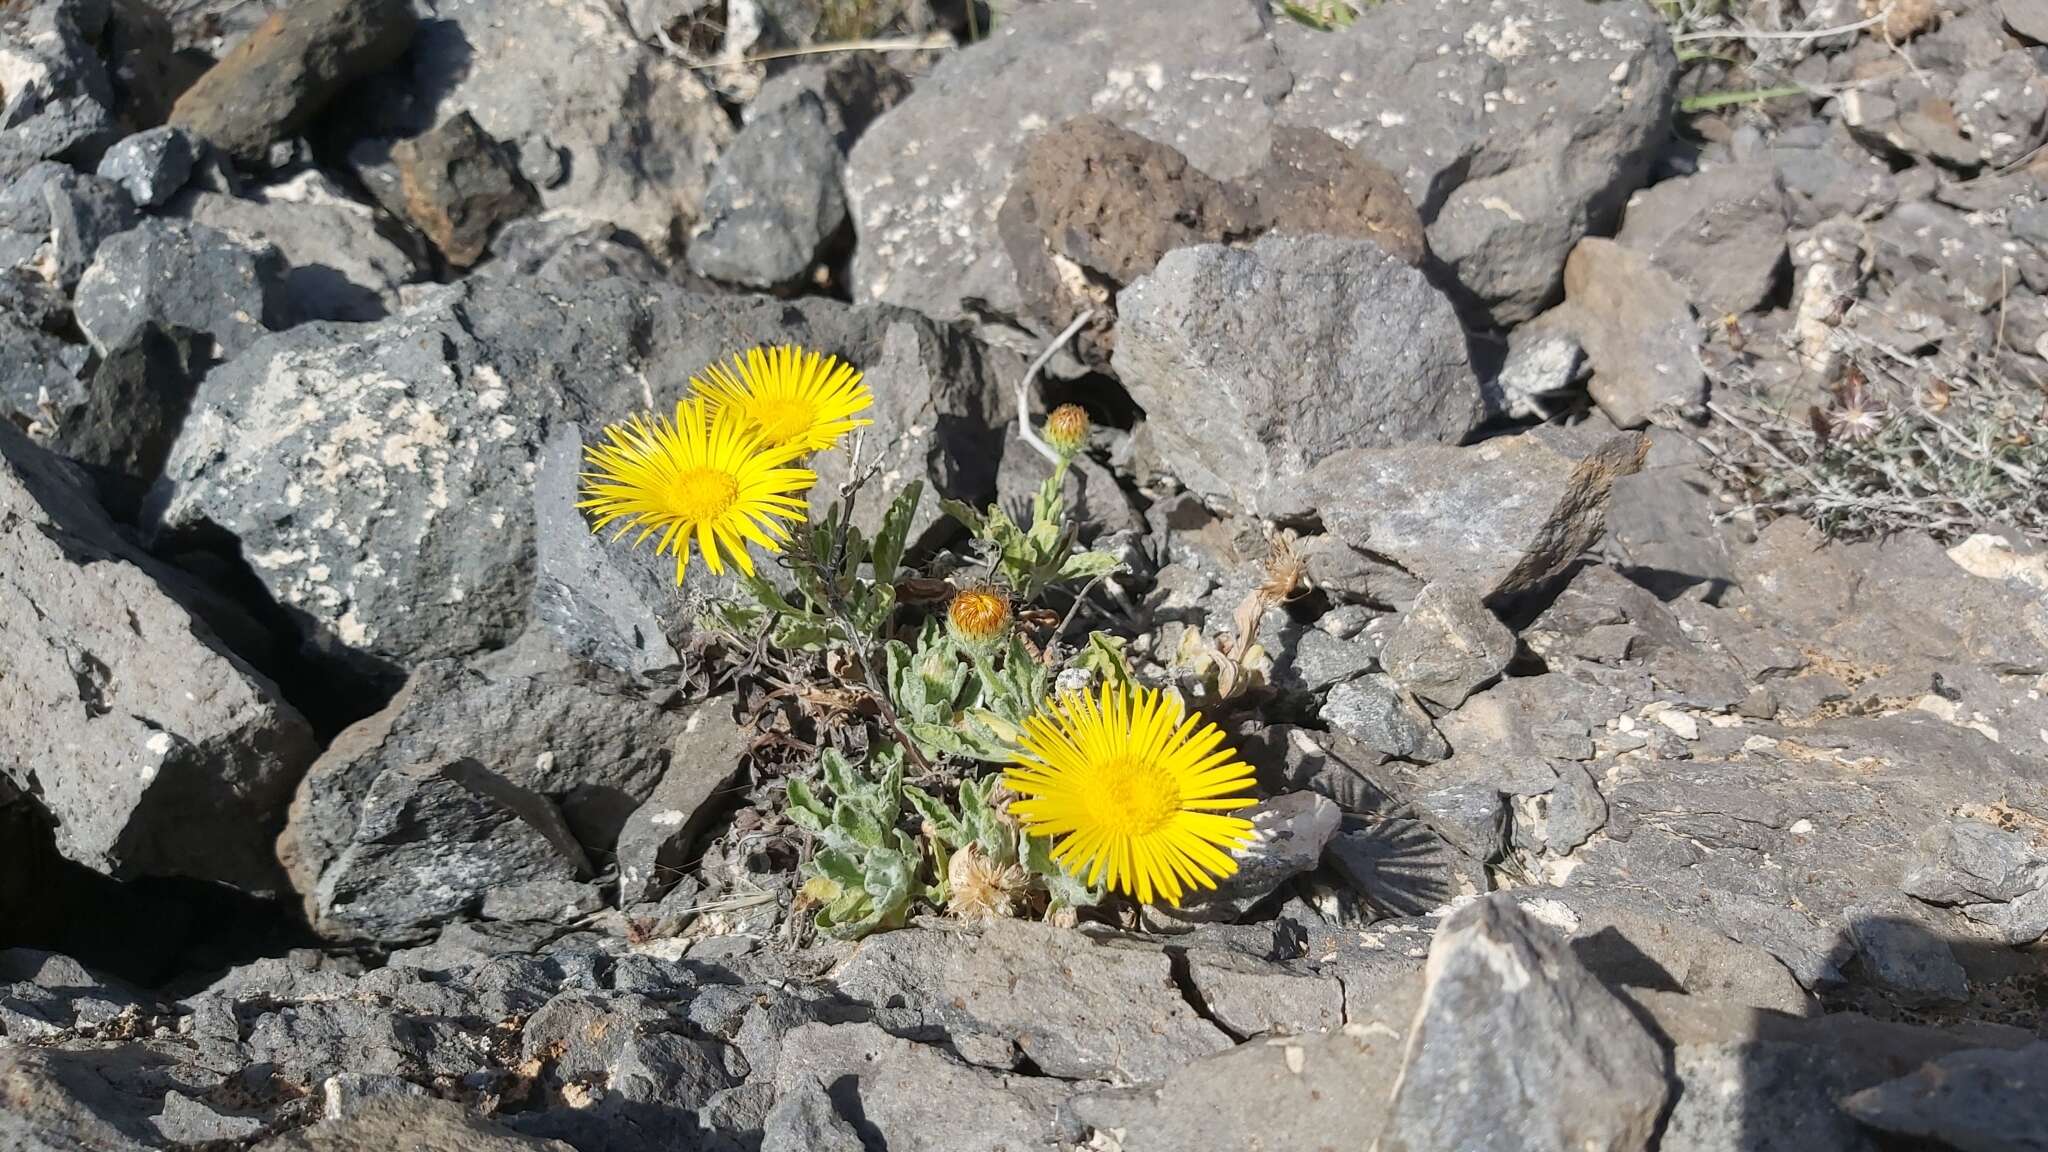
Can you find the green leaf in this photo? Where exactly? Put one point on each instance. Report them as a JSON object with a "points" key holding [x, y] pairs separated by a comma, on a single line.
{"points": [[963, 513], [804, 810], [1104, 656], [769, 595], [1088, 565], [894, 534], [945, 825], [1066, 889], [836, 866], [803, 634]]}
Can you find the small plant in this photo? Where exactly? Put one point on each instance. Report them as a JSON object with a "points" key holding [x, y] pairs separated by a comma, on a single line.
{"points": [[937, 679], [1321, 15]]}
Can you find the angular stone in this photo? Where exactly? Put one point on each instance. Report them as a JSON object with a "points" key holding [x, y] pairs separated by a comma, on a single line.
{"points": [[1518, 1045], [908, 1095], [1638, 330], [173, 274], [1253, 997], [1905, 955], [280, 76], [1377, 713], [1313, 182], [383, 1123], [1446, 646], [2027, 18], [1721, 233], [1963, 861], [1289, 833], [704, 758], [58, 98], [335, 265], [152, 165], [158, 752], [774, 201], [1496, 519], [597, 748], [84, 210], [132, 409], [1079, 1008], [1984, 1099], [458, 185], [1253, 365]]}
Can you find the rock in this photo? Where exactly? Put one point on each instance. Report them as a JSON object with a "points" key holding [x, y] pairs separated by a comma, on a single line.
{"points": [[1508, 184], [774, 201], [1318, 1090], [1638, 331], [1253, 997], [1518, 1045], [1403, 868], [1985, 1099], [405, 1120], [171, 274], [2027, 18], [1252, 365], [1078, 1008], [542, 902], [1496, 519], [41, 373], [890, 1086], [1904, 955], [1758, 1095], [152, 165], [336, 265], [1639, 950], [84, 210], [803, 1121], [1720, 233], [283, 74], [1377, 713], [597, 749], [1288, 835], [1446, 646], [654, 846], [1313, 183], [1964, 861], [58, 99], [1540, 374], [608, 129], [430, 842], [458, 185], [158, 752], [651, 1073], [132, 409]]}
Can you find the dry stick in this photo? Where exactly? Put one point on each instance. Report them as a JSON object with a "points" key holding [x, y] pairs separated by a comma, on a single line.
{"points": [[1756, 34], [904, 44], [1031, 373]]}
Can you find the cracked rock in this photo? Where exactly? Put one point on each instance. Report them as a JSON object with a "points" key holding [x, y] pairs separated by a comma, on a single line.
{"points": [[1446, 646]]}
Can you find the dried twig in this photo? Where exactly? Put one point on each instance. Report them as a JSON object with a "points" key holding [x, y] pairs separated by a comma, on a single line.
{"points": [[1031, 373]]}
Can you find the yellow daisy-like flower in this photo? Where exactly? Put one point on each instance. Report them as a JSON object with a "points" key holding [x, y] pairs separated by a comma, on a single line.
{"points": [[1134, 788], [704, 476], [790, 397]]}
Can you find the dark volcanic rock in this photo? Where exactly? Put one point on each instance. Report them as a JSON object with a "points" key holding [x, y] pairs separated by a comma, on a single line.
{"points": [[774, 201], [176, 275], [280, 76], [458, 185]]}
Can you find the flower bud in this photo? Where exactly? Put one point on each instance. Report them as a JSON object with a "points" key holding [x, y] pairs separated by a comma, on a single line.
{"points": [[1067, 429], [979, 618]]}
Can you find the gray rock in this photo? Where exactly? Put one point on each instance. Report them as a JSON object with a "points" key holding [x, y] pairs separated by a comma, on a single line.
{"points": [[158, 752], [1517, 1045], [1638, 330], [1767, 1096], [172, 274], [541, 902], [1379, 714], [597, 749], [152, 165], [705, 757], [907, 1095], [608, 129], [283, 74], [132, 408], [1507, 184], [653, 1073], [1496, 519], [188, 1121], [39, 375], [343, 1094], [84, 210], [1540, 374], [1319, 1090], [774, 200], [2027, 18], [1252, 365], [1289, 833], [1470, 815], [1079, 1008], [1964, 861], [1403, 868], [58, 101], [803, 1121], [399, 1120], [1721, 233], [1446, 646], [1252, 997], [458, 185], [1905, 956], [1984, 1100], [336, 264], [430, 842]]}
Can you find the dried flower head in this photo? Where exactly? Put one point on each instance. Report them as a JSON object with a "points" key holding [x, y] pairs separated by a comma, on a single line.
{"points": [[1066, 429], [978, 888], [979, 617], [1134, 789], [704, 476], [788, 396]]}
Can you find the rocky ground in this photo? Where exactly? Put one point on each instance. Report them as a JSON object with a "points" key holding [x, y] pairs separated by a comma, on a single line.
{"points": [[353, 794]]}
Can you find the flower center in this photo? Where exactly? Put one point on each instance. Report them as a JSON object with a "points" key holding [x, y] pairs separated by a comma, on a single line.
{"points": [[1131, 798], [784, 420], [698, 495]]}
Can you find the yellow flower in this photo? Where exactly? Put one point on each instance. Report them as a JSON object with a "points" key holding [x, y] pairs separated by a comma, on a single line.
{"points": [[978, 618], [1134, 786], [704, 476], [1066, 429], [790, 397]]}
